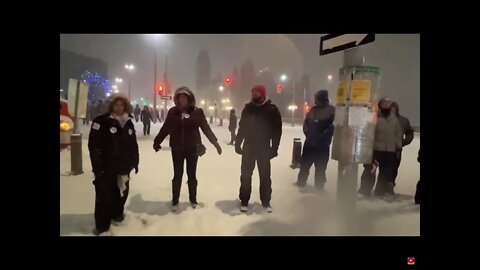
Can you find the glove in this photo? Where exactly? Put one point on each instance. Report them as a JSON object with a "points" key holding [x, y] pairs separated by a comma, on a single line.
{"points": [[136, 169], [219, 149], [157, 147], [238, 149], [273, 153]]}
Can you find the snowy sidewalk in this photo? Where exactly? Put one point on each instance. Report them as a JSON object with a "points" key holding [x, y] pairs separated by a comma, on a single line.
{"points": [[294, 213]]}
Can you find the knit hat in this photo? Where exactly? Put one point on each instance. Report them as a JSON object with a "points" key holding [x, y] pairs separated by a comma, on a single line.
{"points": [[261, 89], [321, 96]]}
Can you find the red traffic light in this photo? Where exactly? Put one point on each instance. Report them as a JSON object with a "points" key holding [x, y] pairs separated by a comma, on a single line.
{"points": [[228, 81], [161, 90], [306, 108], [279, 88]]}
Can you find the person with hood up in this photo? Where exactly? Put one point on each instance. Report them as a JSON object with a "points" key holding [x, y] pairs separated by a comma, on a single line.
{"points": [[182, 124], [113, 151], [146, 118], [407, 135], [260, 130], [318, 130], [232, 126], [137, 112], [387, 143]]}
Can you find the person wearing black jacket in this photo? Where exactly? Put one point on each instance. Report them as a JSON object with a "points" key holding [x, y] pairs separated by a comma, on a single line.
{"points": [[260, 127], [146, 118], [407, 135], [318, 130], [232, 126], [137, 112], [113, 151], [182, 124]]}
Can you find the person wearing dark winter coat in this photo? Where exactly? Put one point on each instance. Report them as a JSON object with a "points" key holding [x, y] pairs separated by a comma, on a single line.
{"points": [[136, 112], [232, 126], [157, 115], [113, 151], [387, 143], [318, 130], [260, 130], [407, 134], [182, 124], [418, 191], [146, 118]]}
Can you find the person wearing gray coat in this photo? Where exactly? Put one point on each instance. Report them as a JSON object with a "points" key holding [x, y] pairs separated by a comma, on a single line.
{"points": [[387, 145]]}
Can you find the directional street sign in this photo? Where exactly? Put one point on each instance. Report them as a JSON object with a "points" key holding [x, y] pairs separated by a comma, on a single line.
{"points": [[339, 42], [166, 97]]}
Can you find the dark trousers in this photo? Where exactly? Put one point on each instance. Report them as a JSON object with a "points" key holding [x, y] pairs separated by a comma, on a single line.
{"points": [[386, 175], [248, 165], [178, 157], [232, 136], [398, 160], [86, 121], [108, 203], [146, 128], [136, 118], [317, 156]]}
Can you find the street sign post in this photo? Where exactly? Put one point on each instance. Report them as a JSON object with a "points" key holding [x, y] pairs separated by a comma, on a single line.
{"points": [[339, 42], [166, 97]]}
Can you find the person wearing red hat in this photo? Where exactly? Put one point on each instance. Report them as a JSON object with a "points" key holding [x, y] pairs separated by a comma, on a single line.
{"points": [[260, 130]]}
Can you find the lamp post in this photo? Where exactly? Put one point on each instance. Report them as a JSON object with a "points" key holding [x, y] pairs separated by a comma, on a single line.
{"points": [[129, 68]]}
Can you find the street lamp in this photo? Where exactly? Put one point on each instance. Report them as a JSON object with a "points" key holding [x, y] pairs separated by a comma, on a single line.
{"points": [[118, 80], [129, 68], [220, 88], [283, 77], [329, 77], [293, 108], [116, 91]]}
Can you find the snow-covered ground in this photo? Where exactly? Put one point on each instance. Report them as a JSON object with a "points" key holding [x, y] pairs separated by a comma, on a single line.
{"points": [[294, 213]]}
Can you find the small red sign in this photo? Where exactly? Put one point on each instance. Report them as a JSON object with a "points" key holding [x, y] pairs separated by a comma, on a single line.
{"points": [[411, 260]]}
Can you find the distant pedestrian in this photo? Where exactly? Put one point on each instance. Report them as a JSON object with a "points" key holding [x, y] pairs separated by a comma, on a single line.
{"points": [[162, 115], [146, 118], [136, 112], [232, 126], [157, 115]]}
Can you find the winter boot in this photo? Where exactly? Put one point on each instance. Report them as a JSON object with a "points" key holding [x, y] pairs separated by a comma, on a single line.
{"points": [[116, 221], [267, 207], [244, 207]]}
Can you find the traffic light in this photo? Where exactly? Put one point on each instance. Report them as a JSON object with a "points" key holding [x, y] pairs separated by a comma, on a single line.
{"points": [[279, 88], [228, 81], [161, 90]]}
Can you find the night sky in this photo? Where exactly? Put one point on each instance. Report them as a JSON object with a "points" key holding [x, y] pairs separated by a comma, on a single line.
{"points": [[397, 55]]}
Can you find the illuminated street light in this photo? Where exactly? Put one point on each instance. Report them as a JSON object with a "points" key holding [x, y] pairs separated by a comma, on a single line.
{"points": [[141, 98], [283, 77], [202, 102], [228, 100], [220, 88], [118, 80], [108, 94], [114, 86], [116, 91], [211, 108], [329, 77]]}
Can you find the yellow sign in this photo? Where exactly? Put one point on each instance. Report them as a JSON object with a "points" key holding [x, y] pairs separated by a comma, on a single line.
{"points": [[361, 91], [342, 93]]}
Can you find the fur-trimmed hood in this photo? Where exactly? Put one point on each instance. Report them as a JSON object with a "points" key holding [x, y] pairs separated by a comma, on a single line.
{"points": [[119, 96], [184, 90]]}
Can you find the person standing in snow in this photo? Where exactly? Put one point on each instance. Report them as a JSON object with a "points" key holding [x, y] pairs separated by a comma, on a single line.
{"points": [[137, 112], [182, 124], [232, 126], [260, 127], [318, 130], [157, 115], [113, 151], [146, 118], [387, 143], [407, 135]]}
